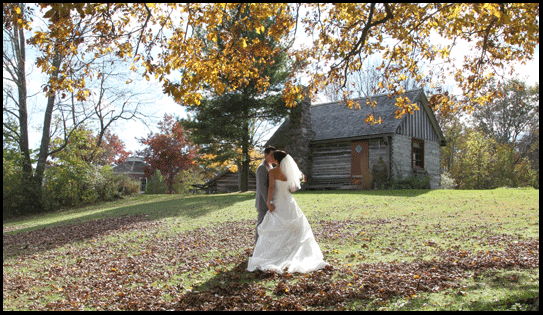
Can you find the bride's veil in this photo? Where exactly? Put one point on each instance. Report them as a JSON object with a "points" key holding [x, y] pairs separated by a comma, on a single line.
{"points": [[292, 172]]}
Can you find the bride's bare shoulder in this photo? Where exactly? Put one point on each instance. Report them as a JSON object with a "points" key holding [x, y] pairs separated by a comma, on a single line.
{"points": [[278, 174]]}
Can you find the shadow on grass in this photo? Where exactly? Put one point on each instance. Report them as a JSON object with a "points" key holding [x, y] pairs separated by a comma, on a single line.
{"points": [[190, 207], [45, 236], [39, 240], [385, 192], [467, 301], [232, 288], [520, 296], [237, 274]]}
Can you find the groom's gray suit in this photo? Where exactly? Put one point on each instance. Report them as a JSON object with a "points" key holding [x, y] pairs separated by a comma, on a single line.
{"points": [[261, 200]]}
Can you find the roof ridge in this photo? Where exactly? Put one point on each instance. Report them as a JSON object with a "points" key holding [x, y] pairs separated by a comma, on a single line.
{"points": [[359, 98]]}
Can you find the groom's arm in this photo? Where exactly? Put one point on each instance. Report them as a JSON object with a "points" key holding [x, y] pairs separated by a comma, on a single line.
{"points": [[262, 190]]}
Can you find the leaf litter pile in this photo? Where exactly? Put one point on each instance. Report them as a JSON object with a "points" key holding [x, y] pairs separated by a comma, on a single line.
{"points": [[130, 263]]}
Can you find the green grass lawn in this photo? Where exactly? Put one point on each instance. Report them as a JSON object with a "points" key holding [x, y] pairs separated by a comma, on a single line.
{"points": [[389, 250]]}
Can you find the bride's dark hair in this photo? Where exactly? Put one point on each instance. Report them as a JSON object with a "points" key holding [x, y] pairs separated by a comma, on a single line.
{"points": [[279, 155]]}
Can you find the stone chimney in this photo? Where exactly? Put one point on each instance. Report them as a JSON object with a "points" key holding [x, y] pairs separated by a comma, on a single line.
{"points": [[299, 134]]}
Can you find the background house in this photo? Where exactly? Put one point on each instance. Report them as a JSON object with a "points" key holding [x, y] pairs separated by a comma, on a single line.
{"points": [[228, 181], [335, 147], [133, 167]]}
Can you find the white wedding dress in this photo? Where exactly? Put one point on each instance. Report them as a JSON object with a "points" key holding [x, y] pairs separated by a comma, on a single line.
{"points": [[285, 238]]}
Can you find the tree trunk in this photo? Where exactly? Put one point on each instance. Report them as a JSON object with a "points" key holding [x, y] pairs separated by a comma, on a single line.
{"points": [[46, 132], [35, 188], [31, 203], [245, 160], [20, 55]]}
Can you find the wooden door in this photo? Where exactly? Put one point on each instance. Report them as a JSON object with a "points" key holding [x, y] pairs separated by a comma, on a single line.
{"points": [[360, 163]]}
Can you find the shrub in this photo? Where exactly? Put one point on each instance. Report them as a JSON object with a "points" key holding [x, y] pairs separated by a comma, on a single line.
{"points": [[117, 185], [184, 180], [156, 184], [12, 193], [447, 182], [413, 181], [126, 186], [77, 185], [92, 183], [61, 186], [524, 175], [379, 174]]}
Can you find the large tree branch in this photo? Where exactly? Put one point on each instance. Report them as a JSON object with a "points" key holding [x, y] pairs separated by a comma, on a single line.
{"points": [[143, 27], [357, 48]]}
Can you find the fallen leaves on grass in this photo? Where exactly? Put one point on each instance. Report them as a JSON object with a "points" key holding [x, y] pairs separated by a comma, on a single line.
{"points": [[149, 270], [47, 238]]}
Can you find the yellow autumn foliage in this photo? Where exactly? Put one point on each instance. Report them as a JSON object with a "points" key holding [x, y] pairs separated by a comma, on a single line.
{"points": [[344, 35]]}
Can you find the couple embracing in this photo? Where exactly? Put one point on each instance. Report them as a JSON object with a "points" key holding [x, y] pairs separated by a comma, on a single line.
{"points": [[283, 238]]}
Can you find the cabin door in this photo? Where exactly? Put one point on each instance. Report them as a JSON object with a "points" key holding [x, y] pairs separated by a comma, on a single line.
{"points": [[360, 163]]}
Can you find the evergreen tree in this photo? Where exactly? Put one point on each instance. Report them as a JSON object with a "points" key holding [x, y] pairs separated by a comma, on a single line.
{"points": [[156, 184], [223, 123]]}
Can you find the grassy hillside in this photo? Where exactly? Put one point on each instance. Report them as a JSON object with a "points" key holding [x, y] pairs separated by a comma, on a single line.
{"points": [[421, 250]]}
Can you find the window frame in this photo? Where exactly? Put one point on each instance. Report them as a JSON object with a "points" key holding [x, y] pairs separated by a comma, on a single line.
{"points": [[143, 184], [417, 164]]}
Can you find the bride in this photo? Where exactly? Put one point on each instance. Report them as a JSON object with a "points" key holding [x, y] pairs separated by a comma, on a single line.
{"points": [[285, 240]]}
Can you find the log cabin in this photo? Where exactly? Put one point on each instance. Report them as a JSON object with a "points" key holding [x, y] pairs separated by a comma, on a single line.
{"points": [[336, 149], [228, 181]]}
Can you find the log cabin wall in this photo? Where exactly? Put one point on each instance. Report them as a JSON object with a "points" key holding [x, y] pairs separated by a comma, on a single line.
{"points": [[230, 182], [331, 164], [332, 161]]}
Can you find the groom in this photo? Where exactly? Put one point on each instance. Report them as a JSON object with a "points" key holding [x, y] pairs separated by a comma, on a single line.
{"points": [[262, 187]]}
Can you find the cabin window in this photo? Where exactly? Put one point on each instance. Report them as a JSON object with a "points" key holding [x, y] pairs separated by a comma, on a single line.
{"points": [[417, 154]]}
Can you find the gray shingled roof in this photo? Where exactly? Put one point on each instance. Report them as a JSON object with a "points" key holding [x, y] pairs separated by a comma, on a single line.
{"points": [[334, 120], [131, 166]]}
